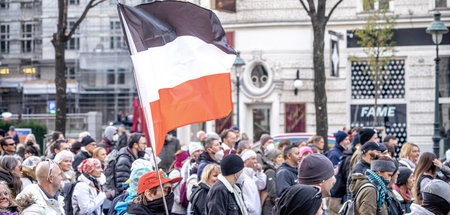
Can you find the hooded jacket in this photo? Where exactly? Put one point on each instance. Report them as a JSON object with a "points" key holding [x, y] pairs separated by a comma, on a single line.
{"points": [[198, 199], [125, 159], [41, 204], [204, 160], [286, 177], [366, 201], [107, 141], [86, 199]]}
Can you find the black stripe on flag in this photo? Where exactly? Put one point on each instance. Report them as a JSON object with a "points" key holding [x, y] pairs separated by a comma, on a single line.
{"points": [[158, 23]]}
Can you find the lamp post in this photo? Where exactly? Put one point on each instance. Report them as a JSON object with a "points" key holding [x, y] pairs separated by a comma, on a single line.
{"points": [[436, 29], [20, 91], [238, 64], [297, 83]]}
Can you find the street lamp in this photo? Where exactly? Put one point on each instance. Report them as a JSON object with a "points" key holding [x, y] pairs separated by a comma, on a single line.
{"points": [[297, 83], [238, 64], [20, 91], [436, 29]]}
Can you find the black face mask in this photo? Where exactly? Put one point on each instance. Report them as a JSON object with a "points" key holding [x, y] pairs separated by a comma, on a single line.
{"points": [[157, 205], [141, 154]]}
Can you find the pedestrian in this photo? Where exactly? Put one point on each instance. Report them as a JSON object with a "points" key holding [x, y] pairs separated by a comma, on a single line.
{"points": [[365, 135], [287, 173], [225, 197], [402, 189], [212, 154], [7, 204], [409, 155], [282, 144], [198, 197], [237, 132], [436, 199], [424, 172], [88, 145], [266, 143], [88, 196], [109, 140], [75, 148], [299, 199], [43, 197], [373, 199], [30, 142], [254, 181], [175, 172], [57, 147], [195, 149], [28, 171], [305, 151], [316, 143], [273, 159], [12, 133], [150, 197], [391, 143], [64, 159], [8, 146], [336, 152], [10, 172], [228, 142], [123, 137], [100, 154], [167, 154], [55, 137]]}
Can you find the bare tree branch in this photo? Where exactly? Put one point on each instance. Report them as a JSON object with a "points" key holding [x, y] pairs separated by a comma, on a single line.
{"points": [[332, 10], [98, 3], [91, 4], [304, 7], [312, 7]]}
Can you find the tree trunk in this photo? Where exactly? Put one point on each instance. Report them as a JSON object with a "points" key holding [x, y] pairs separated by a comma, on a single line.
{"points": [[61, 85], [377, 87], [320, 95]]}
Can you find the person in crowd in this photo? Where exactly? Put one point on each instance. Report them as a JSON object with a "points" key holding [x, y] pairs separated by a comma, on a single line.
{"points": [[436, 199], [175, 172], [254, 181], [75, 148], [29, 171], [195, 149], [273, 159], [55, 137], [200, 191], [282, 144], [242, 146], [409, 155], [305, 151], [150, 196], [7, 204], [212, 154], [402, 189], [237, 132], [394, 206], [373, 199], [12, 133], [365, 135], [316, 143], [8, 146], [228, 142], [299, 199], [424, 172], [123, 137], [167, 154], [335, 154], [88, 195], [31, 150], [135, 150], [11, 172], [30, 142], [82, 135], [287, 173], [64, 159], [225, 196], [266, 143], [100, 154], [57, 147], [88, 145], [391, 142], [43, 197], [109, 140]]}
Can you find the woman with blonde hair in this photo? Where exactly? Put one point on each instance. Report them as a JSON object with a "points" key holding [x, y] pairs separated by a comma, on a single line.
{"points": [[7, 203], [409, 155], [100, 154], [209, 176]]}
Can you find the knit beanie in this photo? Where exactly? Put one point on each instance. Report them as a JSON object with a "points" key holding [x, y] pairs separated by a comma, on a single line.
{"points": [[264, 138], [403, 175], [315, 169], [365, 135], [272, 154], [231, 164], [355, 140], [195, 146], [247, 154], [383, 166], [134, 179], [439, 188], [87, 140], [340, 136]]}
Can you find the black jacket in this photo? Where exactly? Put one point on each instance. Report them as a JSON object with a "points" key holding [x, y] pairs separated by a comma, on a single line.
{"points": [[204, 159], [155, 207], [198, 199], [138, 209], [221, 201], [123, 166], [340, 187], [122, 142], [80, 157], [286, 177]]}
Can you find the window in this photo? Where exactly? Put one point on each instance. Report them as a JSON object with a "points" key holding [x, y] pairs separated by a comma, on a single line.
{"points": [[28, 41], [74, 2], [4, 4], [71, 71], [441, 3], [115, 77], [74, 42], [26, 5], [4, 71], [121, 78], [116, 41], [29, 70], [259, 76], [4, 38], [372, 5], [111, 76]]}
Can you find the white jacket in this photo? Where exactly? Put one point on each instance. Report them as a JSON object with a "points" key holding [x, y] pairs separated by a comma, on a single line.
{"points": [[418, 210], [253, 182], [176, 208], [43, 205], [86, 199]]}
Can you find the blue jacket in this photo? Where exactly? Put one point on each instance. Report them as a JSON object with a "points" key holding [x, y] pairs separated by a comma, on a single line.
{"points": [[335, 154], [286, 177]]}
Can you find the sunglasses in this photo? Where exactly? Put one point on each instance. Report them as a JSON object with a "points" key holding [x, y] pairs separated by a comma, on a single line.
{"points": [[5, 194], [11, 144]]}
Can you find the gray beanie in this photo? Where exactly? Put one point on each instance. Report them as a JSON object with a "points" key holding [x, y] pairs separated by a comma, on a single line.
{"points": [[383, 166], [315, 169], [272, 154], [439, 188]]}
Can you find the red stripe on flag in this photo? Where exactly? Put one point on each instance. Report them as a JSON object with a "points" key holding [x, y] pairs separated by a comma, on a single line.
{"points": [[203, 99]]}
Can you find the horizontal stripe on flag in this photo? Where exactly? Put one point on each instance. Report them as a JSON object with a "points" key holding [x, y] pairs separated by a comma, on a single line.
{"points": [[186, 58]]}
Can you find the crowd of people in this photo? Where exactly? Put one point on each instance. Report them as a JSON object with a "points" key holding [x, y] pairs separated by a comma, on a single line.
{"points": [[221, 174]]}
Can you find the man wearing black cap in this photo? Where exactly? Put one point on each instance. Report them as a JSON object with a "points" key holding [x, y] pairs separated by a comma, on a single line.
{"points": [[225, 197], [88, 145]]}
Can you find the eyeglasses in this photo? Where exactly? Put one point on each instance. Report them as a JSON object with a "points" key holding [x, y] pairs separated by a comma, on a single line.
{"points": [[50, 168], [5, 194]]}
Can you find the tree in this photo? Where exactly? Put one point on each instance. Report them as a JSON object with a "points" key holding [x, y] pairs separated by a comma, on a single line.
{"points": [[319, 20], [59, 41], [376, 39]]}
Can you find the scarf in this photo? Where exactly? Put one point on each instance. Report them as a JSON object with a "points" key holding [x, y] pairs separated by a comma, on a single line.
{"points": [[380, 183], [410, 165], [407, 196]]}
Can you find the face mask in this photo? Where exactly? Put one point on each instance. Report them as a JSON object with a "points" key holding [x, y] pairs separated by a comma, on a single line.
{"points": [[269, 147], [219, 155], [115, 137], [141, 154], [241, 178]]}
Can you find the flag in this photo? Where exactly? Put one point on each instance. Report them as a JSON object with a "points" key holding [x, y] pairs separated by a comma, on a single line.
{"points": [[182, 64]]}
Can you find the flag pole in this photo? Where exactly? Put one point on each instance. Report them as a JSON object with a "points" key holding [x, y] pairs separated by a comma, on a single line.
{"points": [[152, 143]]}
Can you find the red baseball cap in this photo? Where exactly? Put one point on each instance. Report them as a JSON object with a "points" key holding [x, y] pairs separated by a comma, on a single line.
{"points": [[150, 180]]}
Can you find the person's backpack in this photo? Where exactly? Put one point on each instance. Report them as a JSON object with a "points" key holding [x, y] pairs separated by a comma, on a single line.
{"points": [[348, 208], [67, 193], [110, 172], [339, 188]]}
